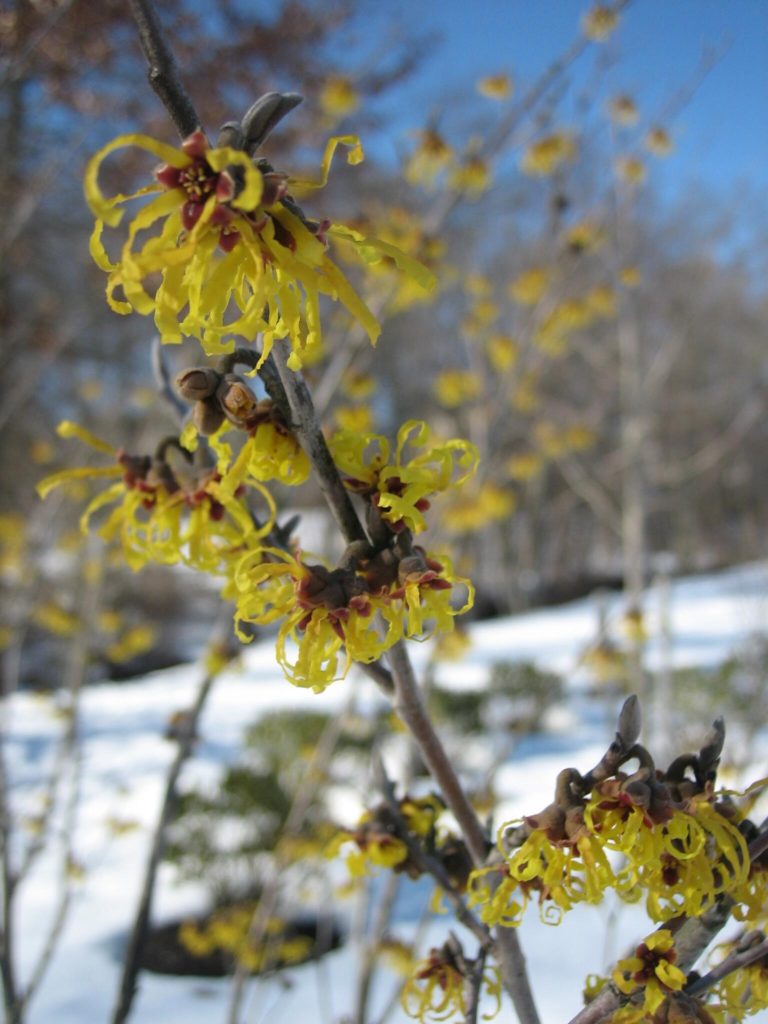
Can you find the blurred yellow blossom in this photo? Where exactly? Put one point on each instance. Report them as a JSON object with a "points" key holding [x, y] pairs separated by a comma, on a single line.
{"points": [[55, 619], [429, 159], [132, 643], [586, 236], [453, 388], [658, 142], [42, 452], [471, 177], [630, 277], [530, 286], [502, 351], [601, 301], [622, 110], [495, 87], [524, 466], [548, 153], [474, 509], [630, 169], [525, 397], [354, 417], [338, 97], [599, 22], [357, 386]]}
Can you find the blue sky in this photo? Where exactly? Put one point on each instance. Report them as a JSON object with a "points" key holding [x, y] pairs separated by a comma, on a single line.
{"points": [[721, 134]]}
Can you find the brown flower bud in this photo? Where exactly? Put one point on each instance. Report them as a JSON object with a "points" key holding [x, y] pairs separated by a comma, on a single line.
{"points": [[236, 399], [207, 416], [197, 382]]}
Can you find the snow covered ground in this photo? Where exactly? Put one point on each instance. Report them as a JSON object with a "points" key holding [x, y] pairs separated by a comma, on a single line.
{"points": [[124, 761]]}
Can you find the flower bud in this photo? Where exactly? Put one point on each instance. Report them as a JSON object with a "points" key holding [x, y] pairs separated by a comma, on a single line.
{"points": [[207, 416], [196, 383], [236, 399]]}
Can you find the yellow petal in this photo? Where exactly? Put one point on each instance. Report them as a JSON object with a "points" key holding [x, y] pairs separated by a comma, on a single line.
{"points": [[69, 429], [103, 207]]}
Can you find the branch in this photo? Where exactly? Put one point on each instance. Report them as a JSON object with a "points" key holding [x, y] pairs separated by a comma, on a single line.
{"points": [[430, 865], [163, 72], [410, 708], [303, 422], [740, 958], [131, 966], [475, 986]]}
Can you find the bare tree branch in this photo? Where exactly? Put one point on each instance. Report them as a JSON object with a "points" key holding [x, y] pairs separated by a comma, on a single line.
{"points": [[163, 72]]}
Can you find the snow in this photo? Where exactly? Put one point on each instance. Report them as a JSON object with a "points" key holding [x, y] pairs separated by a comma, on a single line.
{"points": [[125, 758]]}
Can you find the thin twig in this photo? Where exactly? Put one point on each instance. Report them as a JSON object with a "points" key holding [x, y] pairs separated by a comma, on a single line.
{"points": [[163, 74], [430, 865], [740, 958], [304, 422], [475, 987], [132, 963]]}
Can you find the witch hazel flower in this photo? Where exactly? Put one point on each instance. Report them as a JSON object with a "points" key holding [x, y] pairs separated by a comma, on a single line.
{"points": [[234, 252]]}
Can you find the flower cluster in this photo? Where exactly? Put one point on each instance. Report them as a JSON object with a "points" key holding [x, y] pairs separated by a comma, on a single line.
{"points": [[397, 488], [164, 513], [382, 835], [681, 847], [234, 252], [651, 970], [438, 988], [331, 617]]}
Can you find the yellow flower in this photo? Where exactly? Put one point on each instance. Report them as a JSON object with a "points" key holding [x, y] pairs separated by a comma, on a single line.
{"points": [[630, 277], [159, 517], [41, 453], [586, 236], [530, 287], [426, 592], [436, 991], [472, 177], [524, 466], [55, 619], [13, 546], [658, 142], [622, 110], [338, 96], [599, 22], [631, 169], [398, 487], [234, 253], [329, 616], [358, 418], [601, 301], [357, 386], [472, 510], [548, 153], [429, 159], [456, 387], [270, 452], [502, 351], [132, 643], [651, 969], [495, 87]]}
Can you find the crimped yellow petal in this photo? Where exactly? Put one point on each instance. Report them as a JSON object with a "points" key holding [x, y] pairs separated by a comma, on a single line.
{"points": [[105, 207], [223, 157], [355, 155], [45, 486]]}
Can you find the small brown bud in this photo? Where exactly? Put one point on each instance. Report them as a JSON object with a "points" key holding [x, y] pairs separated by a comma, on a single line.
{"points": [[207, 416], [237, 400], [197, 382]]}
